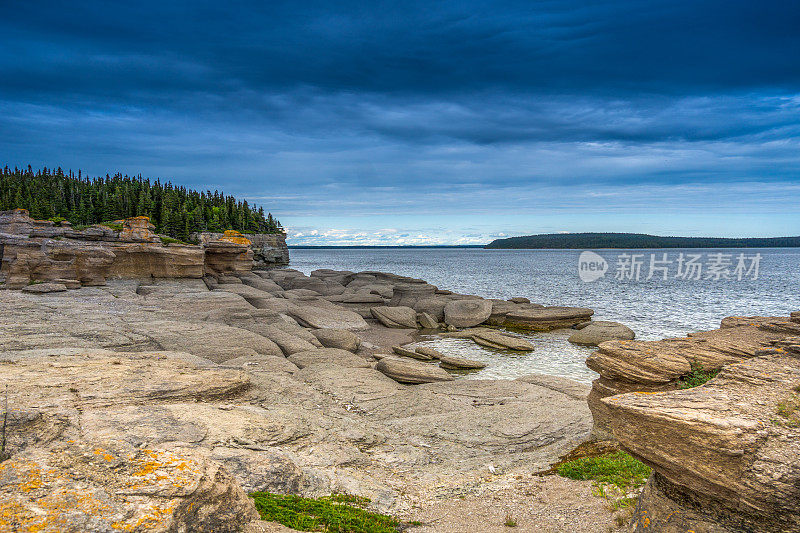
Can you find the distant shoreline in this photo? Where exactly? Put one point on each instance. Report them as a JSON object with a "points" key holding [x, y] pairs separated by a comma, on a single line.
{"points": [[310, 247], [635, 241]]}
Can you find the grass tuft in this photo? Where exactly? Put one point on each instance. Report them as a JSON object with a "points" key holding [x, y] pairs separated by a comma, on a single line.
{"points": [[339, 513], [697, 376], [170, 240], [510, 521], [618, 469]]}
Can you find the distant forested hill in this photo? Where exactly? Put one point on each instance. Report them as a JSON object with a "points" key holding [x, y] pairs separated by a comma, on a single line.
{"points": [[636, 240], [175, 211]]}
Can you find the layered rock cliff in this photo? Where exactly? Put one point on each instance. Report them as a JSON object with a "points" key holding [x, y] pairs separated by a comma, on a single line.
{"points": [[725, 454], [269, 249], [34, 251]]}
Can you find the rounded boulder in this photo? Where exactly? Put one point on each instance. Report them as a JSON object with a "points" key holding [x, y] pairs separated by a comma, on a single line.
{"points": [[467, 313]]}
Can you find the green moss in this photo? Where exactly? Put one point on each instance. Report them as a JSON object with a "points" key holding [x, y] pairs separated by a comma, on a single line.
{"points": [[618, 469], [169, 240], [339, 513], [696, 377], [116, 226]]}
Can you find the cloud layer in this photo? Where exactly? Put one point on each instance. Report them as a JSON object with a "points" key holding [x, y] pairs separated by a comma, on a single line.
{"points": [[449, 122]]}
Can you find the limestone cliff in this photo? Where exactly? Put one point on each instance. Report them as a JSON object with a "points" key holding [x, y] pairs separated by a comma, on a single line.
{"points": [[269, 249], [39, 251]]}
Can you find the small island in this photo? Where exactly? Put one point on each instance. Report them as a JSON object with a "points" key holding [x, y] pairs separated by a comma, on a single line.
{"points": [[579, 241]]}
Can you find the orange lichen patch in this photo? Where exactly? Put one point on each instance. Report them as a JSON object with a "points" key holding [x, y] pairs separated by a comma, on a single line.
{"points": [[165, 467], [106, 456], [235, 237], [153, 517], [30, 472]]}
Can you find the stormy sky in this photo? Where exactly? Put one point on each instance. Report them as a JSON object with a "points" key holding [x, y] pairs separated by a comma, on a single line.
{"points": [[424, 122]]}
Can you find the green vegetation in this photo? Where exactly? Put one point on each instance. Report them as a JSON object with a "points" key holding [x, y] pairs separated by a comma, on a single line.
{"points": [[175, 211], [635, 240], [170, 240], [339, 513], [696, 377], [617, 468], [789, 411]]}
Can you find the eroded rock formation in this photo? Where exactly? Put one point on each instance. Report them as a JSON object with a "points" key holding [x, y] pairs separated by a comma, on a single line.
{"points": [[726, 454], [40, 251], [269, 249]]}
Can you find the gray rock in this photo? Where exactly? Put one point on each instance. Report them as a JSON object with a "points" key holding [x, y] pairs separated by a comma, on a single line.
{"points": [[548, 318], [494, 339], [257, 298], [395, 317], [407, 294], [467, 313], [338, 338], [319, 318], [459, 363], [328, 356], [519, 300], [434, 306], [430, 352], [399, 350], [600, 331], [44, 288], [411, 372], [427, 321], [287, 342]]}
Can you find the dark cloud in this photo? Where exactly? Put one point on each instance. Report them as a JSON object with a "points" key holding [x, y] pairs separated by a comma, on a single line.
{"points": [[375, 106]]}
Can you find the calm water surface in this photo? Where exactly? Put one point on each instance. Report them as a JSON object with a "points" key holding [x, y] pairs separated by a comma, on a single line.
{"points": [[654, 308]]}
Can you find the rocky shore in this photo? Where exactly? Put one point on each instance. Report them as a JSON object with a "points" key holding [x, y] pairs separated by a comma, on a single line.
{"points": [[150, 386]]}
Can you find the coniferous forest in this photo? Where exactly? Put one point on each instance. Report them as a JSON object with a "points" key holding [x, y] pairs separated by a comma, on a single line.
{"points": [[175, 211]]}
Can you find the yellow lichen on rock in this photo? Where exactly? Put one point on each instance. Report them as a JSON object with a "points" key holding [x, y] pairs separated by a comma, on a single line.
{"points": [[81, 487], [235, 237]]}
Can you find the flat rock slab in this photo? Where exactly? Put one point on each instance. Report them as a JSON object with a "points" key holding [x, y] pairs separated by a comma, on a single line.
{"points": [[599, 331], [328, 356], [406, 371], [430, 352], [467, 313], [493, 339], [395, 317], [459, 363], [500, 341], [319, 318], [405, 352], [95, 378], [44, 288], [547, 318]]}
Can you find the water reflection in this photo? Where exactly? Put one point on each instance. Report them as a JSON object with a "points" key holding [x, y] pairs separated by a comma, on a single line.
{"points": [[553, 355]]}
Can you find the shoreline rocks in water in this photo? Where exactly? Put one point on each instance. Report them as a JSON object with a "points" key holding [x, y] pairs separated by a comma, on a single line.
{"points": [[596, 331], [460, 363], [547, 318]]}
